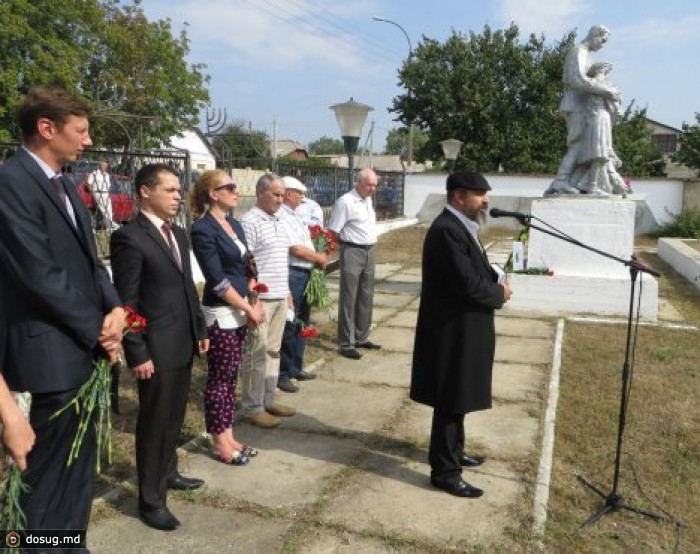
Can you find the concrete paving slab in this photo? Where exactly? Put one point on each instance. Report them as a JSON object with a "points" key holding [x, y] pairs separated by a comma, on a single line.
{"points": [[349, 543], [297, 463], [518, 382], [506, 431], [402, 277], [395, 496], [380, 314], [520, 327], [405, 318], [412, 271], [523, 350], [382, 271], [393, 369], [396, 339], [668, 312], [203, 530], [336, 407], [398, 287], [386, 300]]}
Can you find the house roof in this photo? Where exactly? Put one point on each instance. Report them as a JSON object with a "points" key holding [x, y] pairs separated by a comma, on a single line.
{"points": [[287, 146], [658, 126]]}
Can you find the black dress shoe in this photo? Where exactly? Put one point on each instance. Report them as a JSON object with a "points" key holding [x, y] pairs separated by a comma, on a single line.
{"points": [[471, 461], [369, 345], [161, 519], [350, 353], [305, 376], [287, 386], [457, 488], [180, 483]]}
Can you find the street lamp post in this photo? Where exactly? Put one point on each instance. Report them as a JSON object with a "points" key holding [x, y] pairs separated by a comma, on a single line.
{"points": [[351, 117], [451, 148], [411, 127]]}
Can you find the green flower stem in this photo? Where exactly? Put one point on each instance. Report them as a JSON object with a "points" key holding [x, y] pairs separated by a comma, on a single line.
{"points": [[11, 514]]}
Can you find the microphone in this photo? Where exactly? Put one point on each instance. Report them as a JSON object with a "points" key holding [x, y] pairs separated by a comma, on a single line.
{"points": [[495, 212]]}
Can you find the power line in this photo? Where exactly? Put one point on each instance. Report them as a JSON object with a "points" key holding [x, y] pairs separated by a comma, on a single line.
{"points": [[317, 30], [367, 36]]}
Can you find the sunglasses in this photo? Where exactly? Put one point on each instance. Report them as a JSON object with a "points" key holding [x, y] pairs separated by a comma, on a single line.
{"points": [[231, 187]]}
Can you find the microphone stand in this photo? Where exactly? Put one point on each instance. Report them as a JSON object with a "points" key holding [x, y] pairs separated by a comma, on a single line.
{"points": [[613, 500]]}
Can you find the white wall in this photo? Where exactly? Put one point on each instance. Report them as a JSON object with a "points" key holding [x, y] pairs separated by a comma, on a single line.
{"points": [[664, 197]]}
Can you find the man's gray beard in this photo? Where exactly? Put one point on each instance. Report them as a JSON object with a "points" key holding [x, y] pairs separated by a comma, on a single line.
{"points": [[480, 217]]}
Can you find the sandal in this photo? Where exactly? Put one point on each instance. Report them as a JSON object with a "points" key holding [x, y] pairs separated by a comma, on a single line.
{"points": [[237, 458], [249, 451]]}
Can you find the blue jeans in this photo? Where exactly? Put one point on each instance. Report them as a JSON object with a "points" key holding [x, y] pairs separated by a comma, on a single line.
{"points": [[292, 351]]}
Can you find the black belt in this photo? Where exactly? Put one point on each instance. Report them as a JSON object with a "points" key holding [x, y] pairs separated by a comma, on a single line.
{"points": [[353, 245], [303, 269]]}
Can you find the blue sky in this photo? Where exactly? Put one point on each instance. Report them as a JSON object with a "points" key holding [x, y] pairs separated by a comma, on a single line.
{"points": [[289, 60]]}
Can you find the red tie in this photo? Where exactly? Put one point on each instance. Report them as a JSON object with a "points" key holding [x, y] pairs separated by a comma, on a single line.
{"points": [[168, 232]]}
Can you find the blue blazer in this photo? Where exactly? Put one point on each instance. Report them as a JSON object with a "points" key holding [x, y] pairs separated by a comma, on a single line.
{"points": [[55, 291], [218, 256]]}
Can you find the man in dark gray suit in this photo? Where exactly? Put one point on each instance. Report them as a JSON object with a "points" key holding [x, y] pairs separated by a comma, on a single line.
{"points": [[152, 272], [61, 309]]}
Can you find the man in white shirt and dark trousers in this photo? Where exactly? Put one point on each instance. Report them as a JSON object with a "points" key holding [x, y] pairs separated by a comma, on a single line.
{"points": [[302, 259], [354, 222], [99, 182]]}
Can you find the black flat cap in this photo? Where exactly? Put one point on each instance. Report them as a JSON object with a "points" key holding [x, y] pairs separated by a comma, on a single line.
{"points": [[467, 180]]}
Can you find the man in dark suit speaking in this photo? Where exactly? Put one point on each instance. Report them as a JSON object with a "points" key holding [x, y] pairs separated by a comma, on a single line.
{"points": [[152, 272], [455, 335], [61, 310]]}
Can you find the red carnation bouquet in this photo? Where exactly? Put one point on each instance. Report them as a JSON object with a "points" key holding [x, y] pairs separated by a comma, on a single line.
{"points": [[316, 292], [95, 394]]}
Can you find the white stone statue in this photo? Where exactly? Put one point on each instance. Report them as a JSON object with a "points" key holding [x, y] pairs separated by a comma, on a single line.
{"points": [[590, 105]]}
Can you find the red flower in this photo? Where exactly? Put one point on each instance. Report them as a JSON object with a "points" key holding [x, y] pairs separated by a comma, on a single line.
{"points": [[309, 332], [135, 323], [261, 288]]}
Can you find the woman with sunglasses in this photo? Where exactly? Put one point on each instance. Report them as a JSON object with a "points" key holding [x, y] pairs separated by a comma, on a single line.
{"points": [[219, 244]]}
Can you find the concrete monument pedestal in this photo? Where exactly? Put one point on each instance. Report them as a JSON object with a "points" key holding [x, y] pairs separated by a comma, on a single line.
{"points": [[583, 281]]}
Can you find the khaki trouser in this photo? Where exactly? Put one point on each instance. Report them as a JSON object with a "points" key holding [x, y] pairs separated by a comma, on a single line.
{"points": [[261, 365]]}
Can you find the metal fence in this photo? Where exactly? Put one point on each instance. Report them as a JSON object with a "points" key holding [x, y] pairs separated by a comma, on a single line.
{"points": [[116, 203], [325, 185]]}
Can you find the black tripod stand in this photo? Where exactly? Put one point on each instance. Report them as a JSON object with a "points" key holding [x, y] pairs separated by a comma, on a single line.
{"points": [[613, 500]]}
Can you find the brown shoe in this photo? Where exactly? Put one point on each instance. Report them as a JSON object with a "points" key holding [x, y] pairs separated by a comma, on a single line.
{"points": [[281, 410], [263, 419]]}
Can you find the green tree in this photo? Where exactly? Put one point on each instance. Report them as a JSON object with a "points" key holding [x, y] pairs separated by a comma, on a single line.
{"points": [[133, 71], [496, 94], [325, 146], [138, 75], [397, 142], [635, 146], [240, 146], [689, 145], [41, 42]]}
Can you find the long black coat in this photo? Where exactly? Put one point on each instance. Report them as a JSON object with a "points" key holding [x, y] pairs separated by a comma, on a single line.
{"points": [[455, 335]]}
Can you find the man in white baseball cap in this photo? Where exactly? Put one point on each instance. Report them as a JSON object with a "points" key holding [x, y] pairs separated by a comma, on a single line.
{"points": [[302, 259]]}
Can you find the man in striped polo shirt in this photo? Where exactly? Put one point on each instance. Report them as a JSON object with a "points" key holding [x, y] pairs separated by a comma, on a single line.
{"points": [[268, 240]]}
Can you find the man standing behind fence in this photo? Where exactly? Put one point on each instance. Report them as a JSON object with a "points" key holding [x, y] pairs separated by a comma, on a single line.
{"points": [[355, 224], [99, 183]]}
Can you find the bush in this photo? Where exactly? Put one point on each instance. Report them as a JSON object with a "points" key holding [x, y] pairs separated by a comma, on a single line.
{"points": [[686, 225]]}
